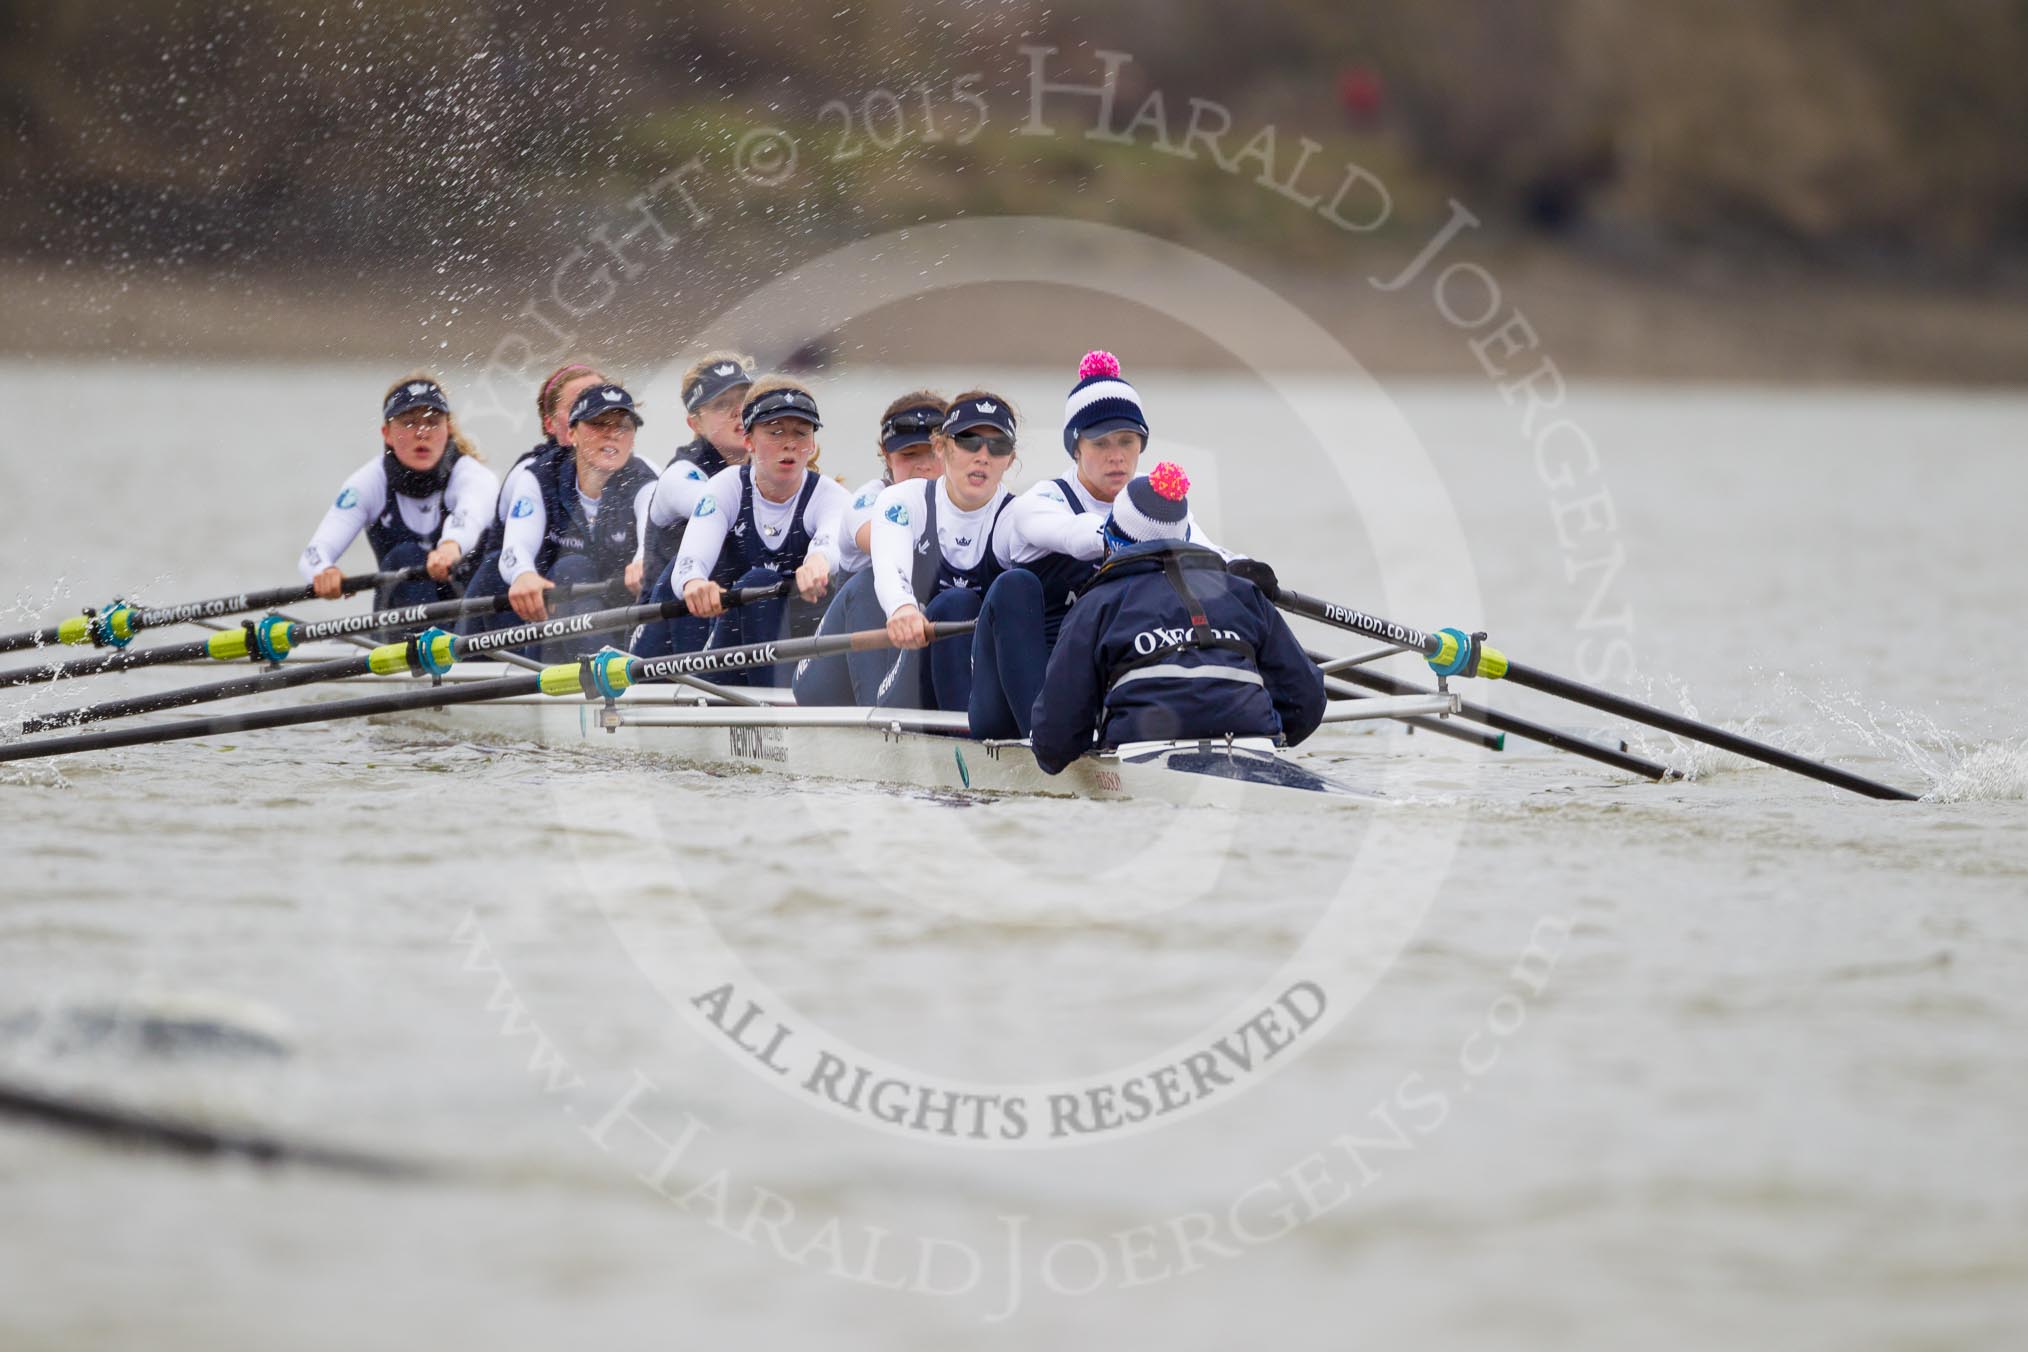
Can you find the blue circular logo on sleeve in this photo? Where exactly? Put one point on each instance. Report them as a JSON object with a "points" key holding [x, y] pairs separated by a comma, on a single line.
{"points": [[347, 498], [706, 506], [898, 514], [522, 507]]}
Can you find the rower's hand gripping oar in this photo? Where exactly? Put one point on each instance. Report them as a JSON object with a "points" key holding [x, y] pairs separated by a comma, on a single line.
{"points": [[1452, 652], [271, 638], [430, 653], [115, 625], [565, 679]]}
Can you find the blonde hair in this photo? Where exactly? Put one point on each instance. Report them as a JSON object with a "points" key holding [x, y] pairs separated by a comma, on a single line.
{"points": [[450, 419], [768, 384]]}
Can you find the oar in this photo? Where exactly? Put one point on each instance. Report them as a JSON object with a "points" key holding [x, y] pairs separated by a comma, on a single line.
{"points": [[1452, 652], [272, 638], [119, 622], [606, 674], [1526, 729], [431, 652], [133, 1126], [567, 678]]}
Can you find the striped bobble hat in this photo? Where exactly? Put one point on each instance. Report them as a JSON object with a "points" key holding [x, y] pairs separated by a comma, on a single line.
{"points": [[1100, 402], [1155, 506]]}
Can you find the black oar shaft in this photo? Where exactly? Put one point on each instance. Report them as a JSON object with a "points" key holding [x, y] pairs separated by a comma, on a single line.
{"points": [[436, 697], [1523, 728], [1606, 702], [1386, 631], [299, 632], [427, 697], [133, 1126], [150, 617], [470, 645], [254, 684]]}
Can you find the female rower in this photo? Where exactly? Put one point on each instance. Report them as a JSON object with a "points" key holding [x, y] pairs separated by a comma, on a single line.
{"points": [[714, 391], [907, 431], [571, 517], [553, 399], [1049, 542], [1164, 644], [423, 501], [933, 556], [757, 523]]}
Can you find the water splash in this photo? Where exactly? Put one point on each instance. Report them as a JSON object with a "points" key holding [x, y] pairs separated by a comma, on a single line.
{"points": [[1955, 767]]}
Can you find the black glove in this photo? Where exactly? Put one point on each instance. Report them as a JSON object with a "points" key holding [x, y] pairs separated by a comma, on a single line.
{"points": [[1256, 572]]}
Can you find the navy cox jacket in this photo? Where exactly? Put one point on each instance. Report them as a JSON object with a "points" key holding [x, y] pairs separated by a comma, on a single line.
{"points": [[1131, 665]]}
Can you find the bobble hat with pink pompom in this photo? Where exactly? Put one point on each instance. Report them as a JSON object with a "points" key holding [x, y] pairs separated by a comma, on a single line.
{"points": [[1153, 507], [1100, 402]]}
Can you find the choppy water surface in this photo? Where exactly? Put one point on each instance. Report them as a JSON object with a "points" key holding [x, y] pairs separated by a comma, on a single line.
{"points": [[1601, 1063]]}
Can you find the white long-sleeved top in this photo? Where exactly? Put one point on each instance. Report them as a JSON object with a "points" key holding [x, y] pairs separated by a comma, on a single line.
{"points": [[718, 508], [674, 499], [527, 520], [858, 512], [898, 521], [1041, 522], [466, 504]]}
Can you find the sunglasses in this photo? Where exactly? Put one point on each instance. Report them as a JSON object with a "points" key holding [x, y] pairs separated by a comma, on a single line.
{"points": [[996, 446], [910, 422]]}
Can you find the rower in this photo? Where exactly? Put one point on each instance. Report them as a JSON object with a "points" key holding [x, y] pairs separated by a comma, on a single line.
{"points": [[933, 556], [759, 522], [572, 517], [908, 428], [553, 398], [714, 390], [1049, 542], [1165, 644], [423, 501]]}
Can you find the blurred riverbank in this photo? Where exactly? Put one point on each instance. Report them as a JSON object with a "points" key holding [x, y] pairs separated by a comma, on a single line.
{"points": [[1709, 320]]}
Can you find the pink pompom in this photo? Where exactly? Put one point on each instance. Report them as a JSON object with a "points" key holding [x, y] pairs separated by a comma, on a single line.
{"points": [[1170, 481], [1098, 363]]}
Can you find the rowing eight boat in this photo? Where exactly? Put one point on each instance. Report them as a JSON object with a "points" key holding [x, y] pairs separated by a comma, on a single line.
{"points": [[922, 749]]}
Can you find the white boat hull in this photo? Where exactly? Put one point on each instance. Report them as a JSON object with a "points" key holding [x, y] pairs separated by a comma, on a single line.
{"points": [[907, 748]]}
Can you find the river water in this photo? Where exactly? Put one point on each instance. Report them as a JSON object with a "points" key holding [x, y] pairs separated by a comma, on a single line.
{"points": [[1532, 1055]]}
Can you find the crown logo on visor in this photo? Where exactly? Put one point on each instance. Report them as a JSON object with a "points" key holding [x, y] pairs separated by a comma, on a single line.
{"points": [[725, 369], [988, 406], [614, 396], [420, 387]]}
